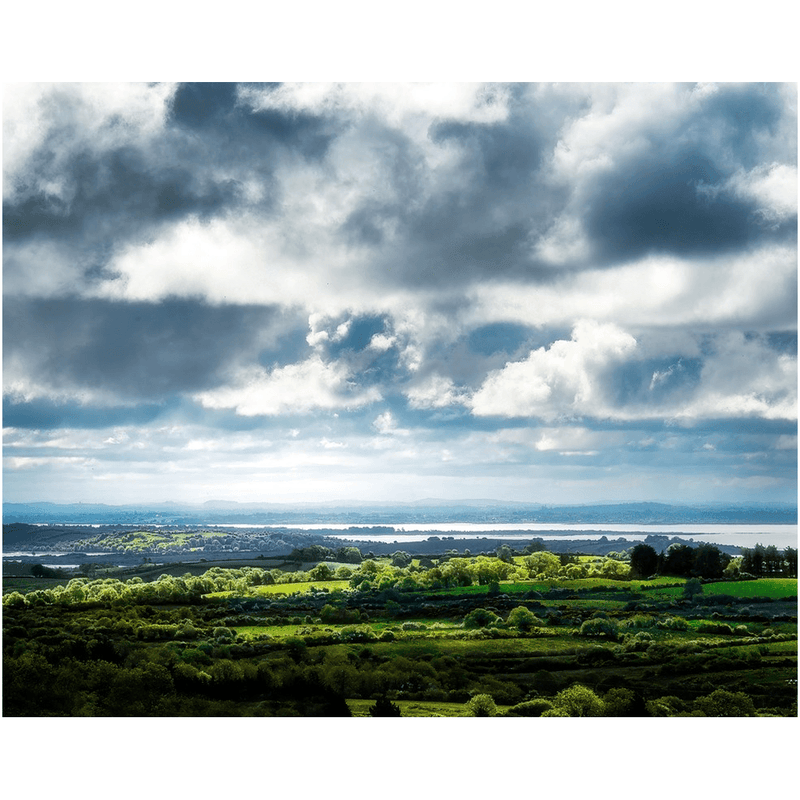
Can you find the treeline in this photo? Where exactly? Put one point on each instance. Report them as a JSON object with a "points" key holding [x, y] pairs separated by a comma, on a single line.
{"points": [[707, 561], [769, 562], [399, 573]]}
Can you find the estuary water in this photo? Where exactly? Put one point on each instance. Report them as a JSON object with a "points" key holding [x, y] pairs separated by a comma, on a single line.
{"points": [[737, 535]]}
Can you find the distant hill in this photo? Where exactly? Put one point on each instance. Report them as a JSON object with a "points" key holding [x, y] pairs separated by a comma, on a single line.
{"points": [[423, 511]]}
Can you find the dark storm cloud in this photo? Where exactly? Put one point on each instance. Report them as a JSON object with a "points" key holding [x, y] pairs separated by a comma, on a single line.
{"points": [[108, 196], [783, 342], [482, 226], [135, 350], [446, 282], [655, 207], [671, 199], [196, 105], [740, 114], [117, 196], [215, 109]]}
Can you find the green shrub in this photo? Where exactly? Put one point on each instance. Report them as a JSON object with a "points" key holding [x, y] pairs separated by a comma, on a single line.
{"points": [[715, 627], [667, 706], [673, 624], [722, 703], [523, 619], [480, 618], [531, 708], [599, 627], [482, 705], [640, 621], [579, 701]]}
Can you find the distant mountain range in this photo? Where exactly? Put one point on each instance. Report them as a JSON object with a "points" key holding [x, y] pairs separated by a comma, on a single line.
{"points": [[428, 510]]}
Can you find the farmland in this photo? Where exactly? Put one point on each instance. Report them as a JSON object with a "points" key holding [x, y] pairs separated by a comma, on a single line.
{"points": [[510, 634]]}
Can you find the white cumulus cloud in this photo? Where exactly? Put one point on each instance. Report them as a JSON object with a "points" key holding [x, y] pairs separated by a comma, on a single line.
{"points": [[562, 380]]}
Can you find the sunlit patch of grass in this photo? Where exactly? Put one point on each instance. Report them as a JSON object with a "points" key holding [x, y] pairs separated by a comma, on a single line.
{"points": [[300, 588], [418, 708]]}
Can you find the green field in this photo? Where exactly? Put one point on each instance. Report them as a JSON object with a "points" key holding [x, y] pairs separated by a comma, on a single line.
{"points": [[773, 588], [229, 641], [302, 587], [417, 708]]}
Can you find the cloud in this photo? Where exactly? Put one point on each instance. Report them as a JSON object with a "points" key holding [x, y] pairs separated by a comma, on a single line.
{"points": [[92, 118], [295, 388], [103, 352], [771, 187], [663, 291], [444, 266], [563, 380], [744, 377], [436, 391]]}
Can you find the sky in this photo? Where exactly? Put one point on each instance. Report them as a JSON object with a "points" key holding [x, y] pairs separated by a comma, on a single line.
{"points": [[309, 292]]}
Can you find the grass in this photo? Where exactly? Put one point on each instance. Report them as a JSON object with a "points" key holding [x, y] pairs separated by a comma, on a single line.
{"points": [[275, 589], [773, 588], [417, 708], [761, 587]]}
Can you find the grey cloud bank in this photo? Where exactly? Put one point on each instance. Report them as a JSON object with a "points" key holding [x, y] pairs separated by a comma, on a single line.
{"points": [[547, 293]]}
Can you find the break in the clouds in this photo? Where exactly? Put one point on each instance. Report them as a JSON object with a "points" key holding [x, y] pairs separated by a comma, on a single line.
{"points": [[548, 292]]}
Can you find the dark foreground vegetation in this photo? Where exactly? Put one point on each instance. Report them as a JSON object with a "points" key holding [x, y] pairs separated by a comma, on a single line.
{"points": [[689, 632]]}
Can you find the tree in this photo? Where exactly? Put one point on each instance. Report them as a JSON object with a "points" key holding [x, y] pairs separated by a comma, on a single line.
{"points": [[504, 553], [543, 563], [534, 546], [400, 558], [753, 560], [677, 559], [722, 703], [790, 559], [482, 705], [579, 701], [692, 588], [350, 555], [384, 707], [773, 561], [644, 561], [708, 561], [322, 572], [620, 702]]}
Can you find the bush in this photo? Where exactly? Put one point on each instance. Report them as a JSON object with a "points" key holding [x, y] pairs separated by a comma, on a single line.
{"points": [[640, 621], [579, 701], [722, 703], [222, 634], [531, 708], [524, 619], [599, 627], [673, 624], [480, 618], [637, 642], [384, 707], [667, 706], [715, 627], [482, 705]]}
